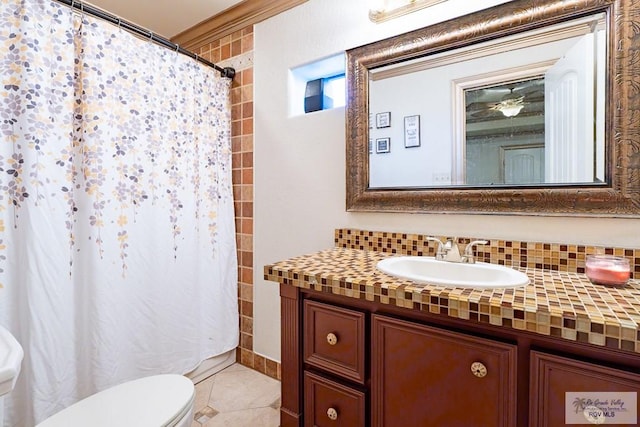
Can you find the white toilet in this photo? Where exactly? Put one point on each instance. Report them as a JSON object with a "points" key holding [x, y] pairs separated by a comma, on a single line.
{"points": [[10, 360], [154, 401]]}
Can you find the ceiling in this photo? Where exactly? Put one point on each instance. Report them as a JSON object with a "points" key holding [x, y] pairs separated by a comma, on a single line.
{"points": [[164, 17]]}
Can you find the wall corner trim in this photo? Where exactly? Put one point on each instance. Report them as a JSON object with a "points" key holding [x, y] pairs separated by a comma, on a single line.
{"points": [[242, 15]]}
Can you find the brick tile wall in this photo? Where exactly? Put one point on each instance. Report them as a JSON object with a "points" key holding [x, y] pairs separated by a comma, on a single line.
{"points": [[222, 52]]}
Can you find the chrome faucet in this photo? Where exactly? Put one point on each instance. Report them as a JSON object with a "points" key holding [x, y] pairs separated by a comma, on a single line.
{"points": [[439, 248], [449, 251], [468, 256]]}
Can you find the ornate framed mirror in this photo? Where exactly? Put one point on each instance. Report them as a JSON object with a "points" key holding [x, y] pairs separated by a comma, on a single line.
{"points": [[531, 107]]}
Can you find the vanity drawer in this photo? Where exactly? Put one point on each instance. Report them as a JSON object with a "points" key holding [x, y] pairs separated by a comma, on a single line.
{"points": [[331, 404], [334, 340]]}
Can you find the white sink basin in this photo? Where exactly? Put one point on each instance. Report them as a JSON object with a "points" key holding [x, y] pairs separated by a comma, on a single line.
{"points": [[453, 274], [10, 360]]}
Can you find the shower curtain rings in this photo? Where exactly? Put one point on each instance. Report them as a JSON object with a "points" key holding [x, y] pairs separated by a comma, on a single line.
{"points": [[77, 8], [81, 12], [73, 6]]}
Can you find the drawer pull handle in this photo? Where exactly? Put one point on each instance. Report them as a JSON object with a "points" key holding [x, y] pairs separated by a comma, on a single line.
{"points": [[332, 414], [332, 339], [478, 369]]}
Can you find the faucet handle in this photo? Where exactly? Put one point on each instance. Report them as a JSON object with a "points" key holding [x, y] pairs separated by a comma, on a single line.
{"points": [[468, 251], [439, 248]]}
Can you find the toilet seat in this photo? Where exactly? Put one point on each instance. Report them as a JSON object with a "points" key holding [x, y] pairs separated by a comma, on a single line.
{"points": [[155, 401]]}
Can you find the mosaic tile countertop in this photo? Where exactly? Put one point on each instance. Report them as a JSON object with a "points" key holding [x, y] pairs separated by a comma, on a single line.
{"points": [[559, 304]]}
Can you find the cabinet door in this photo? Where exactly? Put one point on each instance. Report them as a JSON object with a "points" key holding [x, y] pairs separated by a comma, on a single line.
{"points": [[425, 376], [557, 382]]}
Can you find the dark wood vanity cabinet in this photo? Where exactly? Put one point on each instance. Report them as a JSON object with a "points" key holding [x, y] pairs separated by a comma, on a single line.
{"points": [[421, 375], [360, 363]]}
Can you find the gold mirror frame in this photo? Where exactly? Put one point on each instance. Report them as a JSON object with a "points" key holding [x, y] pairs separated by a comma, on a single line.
{"points": [[619, 197]]}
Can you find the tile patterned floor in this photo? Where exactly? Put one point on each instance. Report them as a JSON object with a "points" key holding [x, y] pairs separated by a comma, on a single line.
{"points": [[237, 397]]}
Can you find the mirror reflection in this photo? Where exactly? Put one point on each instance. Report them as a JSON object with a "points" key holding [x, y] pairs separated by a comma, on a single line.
{"points": [[524, 110], [505, 134]]}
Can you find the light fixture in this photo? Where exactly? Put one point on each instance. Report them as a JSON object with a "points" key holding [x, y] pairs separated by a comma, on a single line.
{"points": [[383, 10], [510, 109], [510, 105]]}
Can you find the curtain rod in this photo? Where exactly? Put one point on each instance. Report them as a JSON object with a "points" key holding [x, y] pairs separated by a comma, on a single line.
{"points": [[228, 72]]}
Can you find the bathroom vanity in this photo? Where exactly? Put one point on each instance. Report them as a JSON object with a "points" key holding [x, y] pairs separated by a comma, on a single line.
{"points": [[360, 347]]}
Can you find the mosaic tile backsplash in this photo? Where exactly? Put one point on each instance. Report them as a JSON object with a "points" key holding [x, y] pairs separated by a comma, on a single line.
{"points": [[560, 301], [548, 256]]}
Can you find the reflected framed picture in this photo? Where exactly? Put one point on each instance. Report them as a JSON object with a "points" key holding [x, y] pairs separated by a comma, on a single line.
{"points": [[412, 131], [383, 145], [371, 146], [383, 120]]}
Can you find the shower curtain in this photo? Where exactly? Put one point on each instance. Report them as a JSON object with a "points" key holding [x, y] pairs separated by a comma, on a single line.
{"points": [[117, 239]]}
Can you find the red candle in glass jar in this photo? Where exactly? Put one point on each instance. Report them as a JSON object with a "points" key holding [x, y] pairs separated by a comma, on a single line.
{"points": [[607, 269]]}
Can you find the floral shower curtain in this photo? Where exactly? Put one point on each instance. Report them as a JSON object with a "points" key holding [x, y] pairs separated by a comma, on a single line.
{"points": [[117, 240]]}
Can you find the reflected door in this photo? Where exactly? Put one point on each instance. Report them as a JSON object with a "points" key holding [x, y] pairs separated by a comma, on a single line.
{"points": [[569, 115], [523, 165]]}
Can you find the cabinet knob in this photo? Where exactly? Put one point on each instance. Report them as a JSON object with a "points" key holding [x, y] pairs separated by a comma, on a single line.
{"points": [[332, 339], [332, 414], [478, 369]]}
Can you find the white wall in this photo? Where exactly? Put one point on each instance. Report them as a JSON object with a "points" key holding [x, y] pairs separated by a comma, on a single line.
{"points": [[406, 95], [300, 161]]}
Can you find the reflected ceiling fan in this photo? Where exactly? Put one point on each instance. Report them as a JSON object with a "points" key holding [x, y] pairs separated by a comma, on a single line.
{"points": [[506, 100]]}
